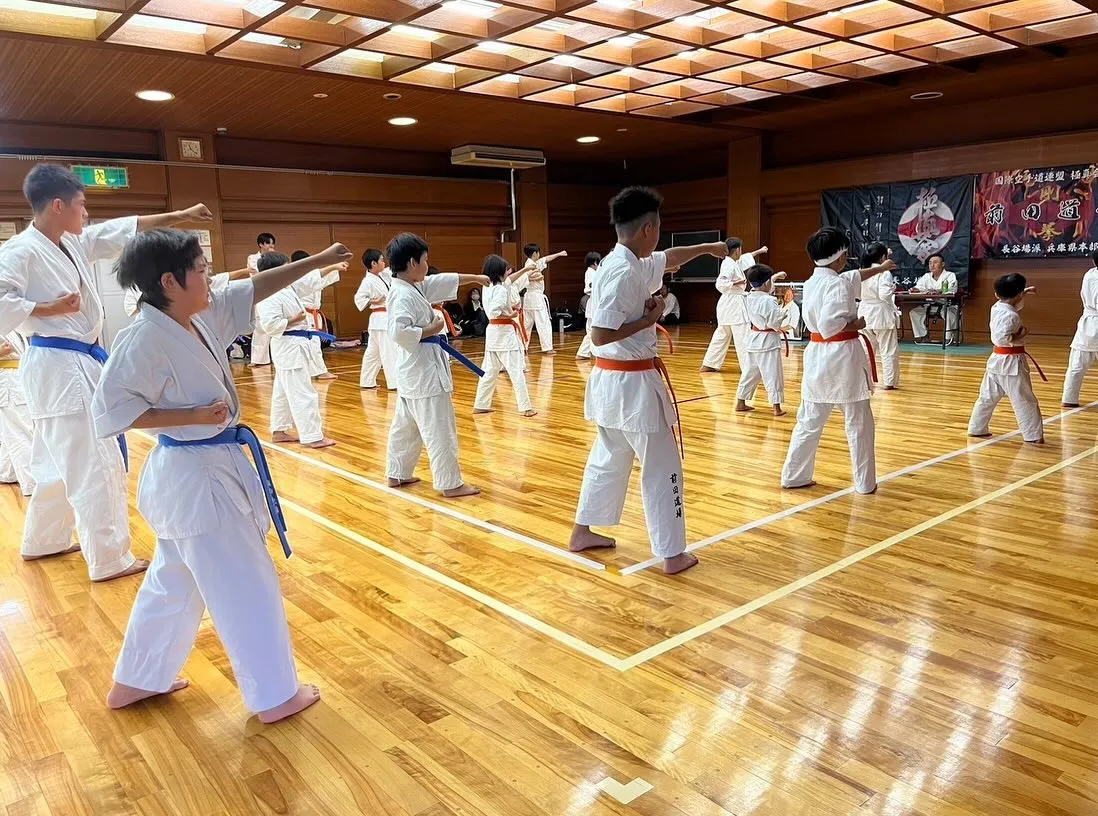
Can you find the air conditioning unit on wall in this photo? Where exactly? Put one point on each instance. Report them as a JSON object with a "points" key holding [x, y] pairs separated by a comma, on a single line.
{"points": [[512, 158]]}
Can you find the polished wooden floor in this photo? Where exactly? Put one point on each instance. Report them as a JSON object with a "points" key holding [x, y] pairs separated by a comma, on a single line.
{"points": [[932, 649]]}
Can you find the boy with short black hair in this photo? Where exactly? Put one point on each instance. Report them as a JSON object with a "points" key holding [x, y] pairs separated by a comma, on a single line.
{"points": [[764, 346], [373, 294], [310, 289], [534, 302]]}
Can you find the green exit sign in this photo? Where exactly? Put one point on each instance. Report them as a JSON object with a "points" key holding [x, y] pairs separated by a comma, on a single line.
{"points": [[104, 178]]}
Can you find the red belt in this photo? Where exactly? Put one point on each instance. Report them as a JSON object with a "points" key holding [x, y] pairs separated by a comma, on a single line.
{"points": [[1021, 350], [449, 321], [651, 364], [378, 309], [851, 335], [318, 319], [774, 331], [667, 334], [509, 321]]}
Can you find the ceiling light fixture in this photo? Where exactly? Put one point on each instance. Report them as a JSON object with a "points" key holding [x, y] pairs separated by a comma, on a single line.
{"points": [[365, 56], [167, 24], [691, 55], [554, 25], [923, 96], [570, 88], [441, 67], [587, 139], [628, 40], [402, 121], [320, 96], [474, 8], [265, 39], [155, 96], [494, 47], [514, 79], [390, 97], [565, 59], [617, 4], [51, 9], [261, 8], [702, 17], [622, 130], [412, 31]]}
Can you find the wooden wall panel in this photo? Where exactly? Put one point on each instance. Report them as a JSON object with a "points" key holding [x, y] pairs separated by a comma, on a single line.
{"points": [[148, 192], [49, 139], [743, 198], [579, 222]]}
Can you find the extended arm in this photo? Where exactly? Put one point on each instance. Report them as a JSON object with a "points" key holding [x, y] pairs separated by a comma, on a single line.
{"points": [[273, 280], [197, 214], [677, 256]]}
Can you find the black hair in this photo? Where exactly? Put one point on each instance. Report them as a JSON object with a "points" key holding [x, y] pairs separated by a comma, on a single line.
{"points": [[733, 244], [371, 257], [873, 254], [149, 255], [47, 182], [271, 260], [299, 255], [404, 249], [495, 267], [592, 259], [634, 203], [758, 275], [1010, 286], [530, 249], [937, 255], [826, 242], [264, 238]]}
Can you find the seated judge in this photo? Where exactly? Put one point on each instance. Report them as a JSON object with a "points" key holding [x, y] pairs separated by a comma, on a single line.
{"points": [[671, 312], [937, 280]]}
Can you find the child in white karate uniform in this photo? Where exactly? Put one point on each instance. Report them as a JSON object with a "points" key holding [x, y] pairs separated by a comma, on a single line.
{"points": [[732, 324], [284, 319], [503, 341], [534, 302], [169, 374], [626, 397], [311, 291], [424, 413], [764, 346], [591, 261], [16, 428], [1084, 346], [878, 309], [372, 294], [1007, 372]]}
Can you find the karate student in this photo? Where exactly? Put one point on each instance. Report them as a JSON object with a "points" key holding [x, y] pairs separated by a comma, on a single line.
{"points": [[626, 397], [878, 309], [424, 413], [48, 294], [202, 497], [591, 261], [16, 429], [131, 296], [791, 313], [503, 341], [671, 312], [261, 343], [372, 294], [764, 345], [937, 280], [732, 324], [284, 318], [836, 367], [1084, 346], [1007, 372], [310, 289], [535, 303]]}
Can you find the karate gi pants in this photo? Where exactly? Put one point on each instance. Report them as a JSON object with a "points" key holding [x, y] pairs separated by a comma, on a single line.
{"points": [[800, 461], [379, 355], [606, 481], [539, 319], [231, 573], [494, 363], [738, 334], [16, 432], [587, 348], [79, 480], [764, 367], [261, 347], [918, 321], [295, 402], [317, 366], [428, 421], [886, 346], [1078, 364], [1020, 391]]}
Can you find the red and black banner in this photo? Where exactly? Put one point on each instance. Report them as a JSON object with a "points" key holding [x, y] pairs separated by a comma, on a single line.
{"points": [[1045, 213]]}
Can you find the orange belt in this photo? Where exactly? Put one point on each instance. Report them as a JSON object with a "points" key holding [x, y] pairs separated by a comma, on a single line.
{"points": [[851, 335], [509, 321], [651, 364], [318, 319], [667, 334], [1021, 350], [522, 324], [775, 331], [378, 309], [449, 321]]}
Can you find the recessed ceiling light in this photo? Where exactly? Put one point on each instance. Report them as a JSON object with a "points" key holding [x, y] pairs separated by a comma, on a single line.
{"points": [[494, 47], [697, 52], [441, 67], [925, 95], [628, 40], [221, 131], [701, 17], [512, 78], [565, 59], [570, 88], [167, 24], [263, 39], [587, 139], [622, 130], [320, 96], [628, 72], [51, 9], [554, 25], [402, 121], [155, 96], [474, 8], [617, 4], [365, 56], [752, 35], [412, 31]]}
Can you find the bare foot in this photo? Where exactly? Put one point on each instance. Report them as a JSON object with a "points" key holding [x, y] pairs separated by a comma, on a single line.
{"points": [[282, 436], [584, 538], [328, 375], [530, 413], [121, 696], [402, 482], [72, 549], [1040, 441], [708, 370], [1069, 405], [743, 408], [322, 443], [138, 566], [459, 492], [483, 410], [679, 563], [778, 411], [798, 487], [980, 436], [307, 694]]}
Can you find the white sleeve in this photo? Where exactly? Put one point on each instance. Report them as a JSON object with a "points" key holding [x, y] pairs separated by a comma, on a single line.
{"points": [[271, 317], [308, 284], [724, 277], [14, 307], [886, 286], [747, 260], [401, 329], [440, 288], [1089, 292], [772, 315], [362, 296], [611, 310], [132, 382], [654, 266], [329, 279], [231, 310], [129, 302], [104, 242]]}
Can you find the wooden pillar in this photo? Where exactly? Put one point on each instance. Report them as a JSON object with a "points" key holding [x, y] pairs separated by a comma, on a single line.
{"points": [[745, 190], [193, 185], [532, 196]]}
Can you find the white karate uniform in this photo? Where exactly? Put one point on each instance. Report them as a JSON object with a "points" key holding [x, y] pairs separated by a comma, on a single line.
{"points": [[309, 289], [536, 306], [16, 429], [379, 351], [1007, 375], [732, 323], [878, 308], [671, 306], [764, 349], [205, 505], [791, 316], [261, 341], [945, 284], [1084, 346], [632, 410], [835, 374], [503, 348], [79, 479], [424, 413], [294, 401], [587, 348]]}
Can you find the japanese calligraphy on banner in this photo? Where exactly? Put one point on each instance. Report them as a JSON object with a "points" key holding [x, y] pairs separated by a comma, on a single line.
{"points": [[1046, 213], [915, 219]]}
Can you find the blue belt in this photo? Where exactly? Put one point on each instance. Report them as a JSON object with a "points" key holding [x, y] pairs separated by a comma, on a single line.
{"points": [[441, 342], [309, 335], [243, 435], [97, 353]]}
